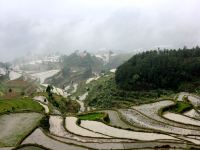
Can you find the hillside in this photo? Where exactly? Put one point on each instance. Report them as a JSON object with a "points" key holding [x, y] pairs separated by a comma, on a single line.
{"points": [[80, 66], [110, 96], [10, 89], [37, 63], [168, 69], [78, 60], [76, 67]]}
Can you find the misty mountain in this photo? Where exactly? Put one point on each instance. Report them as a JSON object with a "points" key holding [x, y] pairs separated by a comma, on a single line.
{"points": [[75, 67], [83, 65], [37, 63]]}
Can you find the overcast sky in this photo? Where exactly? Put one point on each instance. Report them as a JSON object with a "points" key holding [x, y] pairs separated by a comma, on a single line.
{"points": [[66, 25]]}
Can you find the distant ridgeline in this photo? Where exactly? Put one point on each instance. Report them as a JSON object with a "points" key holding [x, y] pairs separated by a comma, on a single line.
{"points": [[82, 60], [167, 69], [75, 67]]}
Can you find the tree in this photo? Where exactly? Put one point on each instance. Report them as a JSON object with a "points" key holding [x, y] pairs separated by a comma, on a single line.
{"points": [[166, 69], [10, 90], [22, 93], [49, 88], [135, 78]]}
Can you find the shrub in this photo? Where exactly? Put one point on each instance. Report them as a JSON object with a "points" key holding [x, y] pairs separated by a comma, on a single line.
{"points": [[44, 123]]}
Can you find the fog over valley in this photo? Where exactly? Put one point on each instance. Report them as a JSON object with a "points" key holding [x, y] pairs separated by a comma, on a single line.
{"points": [[43, 26]]}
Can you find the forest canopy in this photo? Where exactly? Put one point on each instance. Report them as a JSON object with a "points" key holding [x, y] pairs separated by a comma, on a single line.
{"points": [[166, 69]]}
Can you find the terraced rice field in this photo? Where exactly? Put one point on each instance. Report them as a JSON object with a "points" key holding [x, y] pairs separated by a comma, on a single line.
{"points": [[195, 100], [98, 143], [57, 129], [181, 119], [116, 120], [14, 75], [138, 127], [42, 76], [41, 139], [192, 113], [71, 125], [56, 126], [14, 127], [120, 133], [137, 119], [152, 111]]}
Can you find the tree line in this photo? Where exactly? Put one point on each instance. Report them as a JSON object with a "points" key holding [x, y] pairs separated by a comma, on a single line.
{"points": [[160, 69]]}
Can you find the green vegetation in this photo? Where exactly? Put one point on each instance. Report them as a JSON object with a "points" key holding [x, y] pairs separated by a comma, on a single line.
{"points": [[81, 65], [64, 105], [44, 123], [84, 60], [146, 77], [168, 69], [18, 105], [179, 107], [110, 96], [76, 67], [95, 116]]}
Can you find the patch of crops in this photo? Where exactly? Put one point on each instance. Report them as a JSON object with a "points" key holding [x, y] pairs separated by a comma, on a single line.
{"points": [[20, 104], [96, 116], [179, 107]]}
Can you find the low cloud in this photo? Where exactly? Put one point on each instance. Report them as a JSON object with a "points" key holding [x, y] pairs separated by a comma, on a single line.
{"points": [[39, 26]]}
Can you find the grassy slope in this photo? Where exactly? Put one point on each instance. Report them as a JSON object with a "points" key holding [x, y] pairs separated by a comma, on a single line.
{"points": [[179, 107], [95, 116], [110, 96], [182, 107], [18, 87], [91, 116], [19, 104]]}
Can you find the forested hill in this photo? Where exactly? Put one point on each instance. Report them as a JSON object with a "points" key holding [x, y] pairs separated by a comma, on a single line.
{"points": [[82, 60], [167, 69], [76, 67]]}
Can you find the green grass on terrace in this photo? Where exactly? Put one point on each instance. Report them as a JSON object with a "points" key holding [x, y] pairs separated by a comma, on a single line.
{"points": [[95, 116], [92, 116], [19, 104], [179, 107]]}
